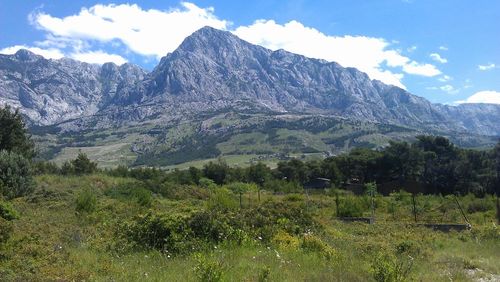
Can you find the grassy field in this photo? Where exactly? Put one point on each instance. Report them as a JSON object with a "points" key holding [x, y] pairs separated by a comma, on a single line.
{"points": [[54, 239]]}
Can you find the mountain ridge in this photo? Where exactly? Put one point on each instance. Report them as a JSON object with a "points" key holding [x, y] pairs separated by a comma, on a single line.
{"points": [[213, 70]]}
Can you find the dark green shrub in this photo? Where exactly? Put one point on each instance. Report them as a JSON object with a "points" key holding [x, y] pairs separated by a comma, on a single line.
{"points": [[86, 201], [83, 165], [162, 232], [7, 212], [480, 205], [15, 175]]}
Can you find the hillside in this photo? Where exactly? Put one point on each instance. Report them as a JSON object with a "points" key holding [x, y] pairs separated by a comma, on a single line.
{"points": [[137, 117]]}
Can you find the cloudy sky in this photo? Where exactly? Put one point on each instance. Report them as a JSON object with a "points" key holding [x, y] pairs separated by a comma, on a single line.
{"points": [[447, 51]]}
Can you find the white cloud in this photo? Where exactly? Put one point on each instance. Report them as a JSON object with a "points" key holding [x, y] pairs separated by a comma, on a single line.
{"points": [[445, 78], [154, 33], [146, 32], [443, 48], [489, 66], [436, 57], [449, 89], [50, 53], [367, 54], [98, 57], [489, 96], [412, 49]]}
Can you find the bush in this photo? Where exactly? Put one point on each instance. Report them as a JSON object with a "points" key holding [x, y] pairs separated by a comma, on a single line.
{"points": [[167, 233], [6, 230], [7, 212], [350, 207], [285, 241], [131, 191], [208, 269], [15, 175], [388, 267], [222, 199], [480, 205], [311, 243], [282, 186], [86, 201]]}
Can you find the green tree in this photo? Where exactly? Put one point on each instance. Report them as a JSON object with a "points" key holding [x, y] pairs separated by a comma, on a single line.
{"points": [[216, 171], [83, 165], [15, 175], [14, 136], [258, 173]]}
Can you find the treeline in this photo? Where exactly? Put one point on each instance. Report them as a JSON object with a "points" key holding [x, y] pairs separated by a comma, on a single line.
{"points": [[432, 161]]}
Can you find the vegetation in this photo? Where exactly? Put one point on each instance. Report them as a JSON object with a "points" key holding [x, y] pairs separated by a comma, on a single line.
{"points": [[198, 235], [16, 151], [223, 223]]}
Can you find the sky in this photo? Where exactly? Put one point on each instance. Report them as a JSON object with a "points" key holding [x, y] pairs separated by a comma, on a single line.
{"points": [[447, 51]]}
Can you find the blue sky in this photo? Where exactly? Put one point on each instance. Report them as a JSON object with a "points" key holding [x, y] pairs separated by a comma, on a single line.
{"points": [[447, 51]]}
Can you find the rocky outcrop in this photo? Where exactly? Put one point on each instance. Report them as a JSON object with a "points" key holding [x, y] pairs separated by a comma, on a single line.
{"points": [[213, 70]]}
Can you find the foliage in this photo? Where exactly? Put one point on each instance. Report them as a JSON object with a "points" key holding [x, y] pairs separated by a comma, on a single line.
{"points": [[162, 232], [131, 191], [7, 211], [480, 205], [285, 241], [208, 269], [221, 199], [387, 267], [86, 201], [83, 165], [15, 175], [216, 171], [14, 136], [312, 243], [6, 230], [351, 206], [282, 186]]}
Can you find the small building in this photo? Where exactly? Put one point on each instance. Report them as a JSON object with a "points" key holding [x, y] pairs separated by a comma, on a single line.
{"points": [[318, 183]]}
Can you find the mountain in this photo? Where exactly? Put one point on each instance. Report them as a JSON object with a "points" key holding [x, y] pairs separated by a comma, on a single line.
{"points": [[53, 91], [194, 94]]}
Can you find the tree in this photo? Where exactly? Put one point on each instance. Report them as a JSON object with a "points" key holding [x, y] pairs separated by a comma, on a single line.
{"points": [[16, 152], [258, 173], [83, 165], [293, 170], [14, 136], [216, 171], [15, 175], [497, 188], [241, 188]]}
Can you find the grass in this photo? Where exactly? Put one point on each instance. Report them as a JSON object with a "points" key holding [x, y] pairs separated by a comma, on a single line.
{"points": [[54, 241]]}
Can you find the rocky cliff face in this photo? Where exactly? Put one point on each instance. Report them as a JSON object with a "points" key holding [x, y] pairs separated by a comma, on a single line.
{"points": [[53, 91], [213, 70]]}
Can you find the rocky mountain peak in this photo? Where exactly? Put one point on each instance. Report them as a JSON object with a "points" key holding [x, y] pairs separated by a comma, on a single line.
{"points": [[27, 56]]}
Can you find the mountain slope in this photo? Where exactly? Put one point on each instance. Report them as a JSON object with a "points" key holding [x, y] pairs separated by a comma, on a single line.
{"points": [[217, 94], [214, 69]]}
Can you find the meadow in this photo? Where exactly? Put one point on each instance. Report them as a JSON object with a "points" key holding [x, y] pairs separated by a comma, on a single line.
{"points": [[100, 227]]}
